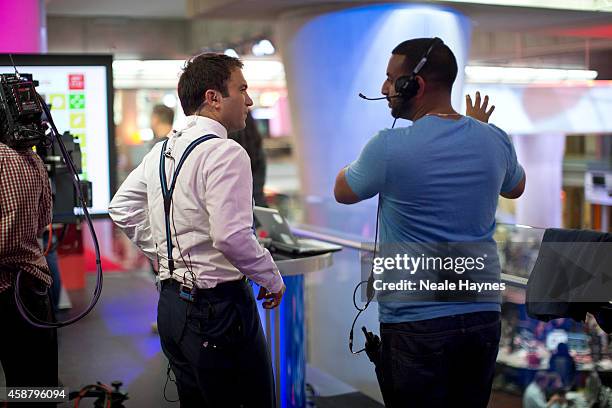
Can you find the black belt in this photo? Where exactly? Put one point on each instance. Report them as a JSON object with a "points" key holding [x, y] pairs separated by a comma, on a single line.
{"points": [[220, 293]]}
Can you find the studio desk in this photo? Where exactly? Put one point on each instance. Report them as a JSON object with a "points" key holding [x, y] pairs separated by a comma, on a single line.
{"points": [[284, 327]]}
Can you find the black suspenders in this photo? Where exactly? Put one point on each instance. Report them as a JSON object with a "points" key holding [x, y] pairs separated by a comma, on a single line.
{"points": [[167, 192]]}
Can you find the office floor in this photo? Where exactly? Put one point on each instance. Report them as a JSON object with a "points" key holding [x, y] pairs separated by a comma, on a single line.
{"points": [[115, 342]]}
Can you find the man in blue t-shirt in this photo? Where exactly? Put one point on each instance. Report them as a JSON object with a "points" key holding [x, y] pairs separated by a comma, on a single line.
{"points": [[438, 182]]}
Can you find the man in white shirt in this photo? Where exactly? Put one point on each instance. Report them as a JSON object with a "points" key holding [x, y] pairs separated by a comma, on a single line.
{"points": [[535, 393], [207, 316]]}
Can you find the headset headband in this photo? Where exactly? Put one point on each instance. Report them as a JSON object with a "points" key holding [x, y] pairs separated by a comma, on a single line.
{"points": [[423, 60]]}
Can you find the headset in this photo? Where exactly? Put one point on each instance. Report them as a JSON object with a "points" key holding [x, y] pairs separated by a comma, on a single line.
{"points": [[407, 86]]}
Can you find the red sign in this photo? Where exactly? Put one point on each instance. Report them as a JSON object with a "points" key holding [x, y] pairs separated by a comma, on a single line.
{"points": [[76, 81]]}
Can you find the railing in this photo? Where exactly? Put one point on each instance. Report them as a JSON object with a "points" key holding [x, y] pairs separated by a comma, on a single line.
{"points": [[307, 232]]}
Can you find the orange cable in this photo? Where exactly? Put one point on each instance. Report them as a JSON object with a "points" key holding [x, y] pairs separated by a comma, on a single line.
{"points": [[49, 240]]}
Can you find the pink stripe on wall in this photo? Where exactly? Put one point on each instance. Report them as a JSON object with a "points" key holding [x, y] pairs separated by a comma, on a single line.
{"points": [[19, 26]]}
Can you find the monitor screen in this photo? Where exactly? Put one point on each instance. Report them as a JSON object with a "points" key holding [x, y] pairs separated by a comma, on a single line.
{"points": [[79, 90], [599, 180]]}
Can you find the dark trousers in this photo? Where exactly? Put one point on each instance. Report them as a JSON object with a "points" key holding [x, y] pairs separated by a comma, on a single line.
{"points": [[443, 362], [28, 354], [216, 347]]}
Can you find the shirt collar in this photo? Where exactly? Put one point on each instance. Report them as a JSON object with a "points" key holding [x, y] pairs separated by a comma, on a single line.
{"points": [[197, 126]]}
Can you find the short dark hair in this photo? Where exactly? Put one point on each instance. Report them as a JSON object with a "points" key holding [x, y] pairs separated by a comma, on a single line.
{"points": [[441, 65], [541, 377], [164, 113], [201, 73]]}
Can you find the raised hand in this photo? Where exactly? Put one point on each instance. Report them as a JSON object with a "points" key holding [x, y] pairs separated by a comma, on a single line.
{"points": [[476, 110]]}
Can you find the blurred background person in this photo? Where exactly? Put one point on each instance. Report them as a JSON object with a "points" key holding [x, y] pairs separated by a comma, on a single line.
{"points": [[562, 363], [250, 139], [535, 393], [162, 118]]}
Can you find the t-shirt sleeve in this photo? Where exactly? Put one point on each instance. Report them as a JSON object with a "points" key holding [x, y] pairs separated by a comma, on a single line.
{"points": [[366, 175], [514, 171]]}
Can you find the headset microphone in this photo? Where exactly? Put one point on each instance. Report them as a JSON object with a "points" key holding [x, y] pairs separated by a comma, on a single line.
{"points": [[377, 99]]}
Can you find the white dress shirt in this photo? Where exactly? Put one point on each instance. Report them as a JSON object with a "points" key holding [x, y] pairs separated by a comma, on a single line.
{"points": [[211, 217]]}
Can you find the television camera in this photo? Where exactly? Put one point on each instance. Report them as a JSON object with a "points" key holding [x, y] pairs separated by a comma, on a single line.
{"points": [[23, 125]]}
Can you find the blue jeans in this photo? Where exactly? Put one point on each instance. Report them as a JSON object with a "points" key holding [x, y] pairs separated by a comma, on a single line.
{"points": [[442, 362]]}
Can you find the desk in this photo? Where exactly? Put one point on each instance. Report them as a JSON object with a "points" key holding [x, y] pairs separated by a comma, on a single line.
{"points": [[518, 359], [284, 328]]}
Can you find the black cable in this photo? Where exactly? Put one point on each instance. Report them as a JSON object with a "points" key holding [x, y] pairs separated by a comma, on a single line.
{"points": [[361, 309], [370, 288], [34, 132], [311, 395], [59, 239], [169, 377], [14, 66], [189, 267], [27, 315]]}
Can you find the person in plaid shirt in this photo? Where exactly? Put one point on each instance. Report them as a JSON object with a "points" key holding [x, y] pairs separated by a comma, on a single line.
{"points": [[28, 354]]}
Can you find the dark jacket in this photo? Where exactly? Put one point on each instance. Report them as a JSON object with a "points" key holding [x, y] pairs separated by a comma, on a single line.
{"points": [[572, 276], [250, 139]]}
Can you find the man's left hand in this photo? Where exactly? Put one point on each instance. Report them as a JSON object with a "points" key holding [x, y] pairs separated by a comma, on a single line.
{"points": [[476, 110], [274, 299]]}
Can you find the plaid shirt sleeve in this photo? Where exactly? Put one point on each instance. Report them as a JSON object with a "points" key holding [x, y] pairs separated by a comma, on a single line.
{"points": [[25, 209], [45, 214]]}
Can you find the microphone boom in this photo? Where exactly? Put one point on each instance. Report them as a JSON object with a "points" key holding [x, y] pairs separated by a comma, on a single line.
{"points": [[377, 99]]}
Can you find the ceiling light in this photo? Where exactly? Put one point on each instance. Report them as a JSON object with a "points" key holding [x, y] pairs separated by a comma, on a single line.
{"points": [[146, 134], [518, 75], [169, 100], [230, 52], [263, 47]]}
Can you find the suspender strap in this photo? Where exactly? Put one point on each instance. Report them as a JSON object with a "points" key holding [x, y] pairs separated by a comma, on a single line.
{"points": [[167, 192]]}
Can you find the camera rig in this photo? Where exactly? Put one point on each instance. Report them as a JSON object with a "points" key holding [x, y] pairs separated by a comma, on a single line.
{"points": [[26, 122], [22, 126], [21, 113]]}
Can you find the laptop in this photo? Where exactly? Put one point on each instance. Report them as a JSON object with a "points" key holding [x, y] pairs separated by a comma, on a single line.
{"points": [[283, 239]]}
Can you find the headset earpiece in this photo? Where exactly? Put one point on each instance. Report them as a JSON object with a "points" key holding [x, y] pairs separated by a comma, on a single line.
{"points": [[406, 86]]}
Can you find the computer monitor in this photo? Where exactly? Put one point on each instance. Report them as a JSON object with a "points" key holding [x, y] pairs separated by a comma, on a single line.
{"points": [[79, 89]]}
